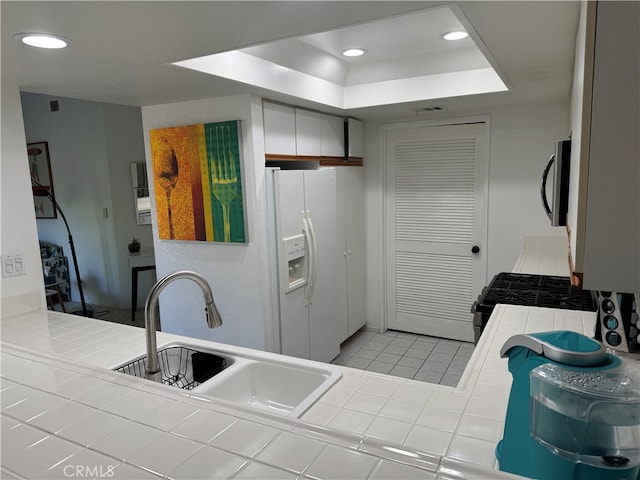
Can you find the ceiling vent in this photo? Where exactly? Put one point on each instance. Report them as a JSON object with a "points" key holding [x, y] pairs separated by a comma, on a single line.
{"points": [[434, 108]]}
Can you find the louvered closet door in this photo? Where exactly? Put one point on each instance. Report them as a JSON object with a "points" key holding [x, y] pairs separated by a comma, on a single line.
{"points": [[436, 207]]}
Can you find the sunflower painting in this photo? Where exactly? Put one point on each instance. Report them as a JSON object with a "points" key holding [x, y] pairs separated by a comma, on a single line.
{"points": [[198, 182]]}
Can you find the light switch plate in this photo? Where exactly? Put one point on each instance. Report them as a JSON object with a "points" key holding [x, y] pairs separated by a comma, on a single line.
{"points": [[13, 265]]}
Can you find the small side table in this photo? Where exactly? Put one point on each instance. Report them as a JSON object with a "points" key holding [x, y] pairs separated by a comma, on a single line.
{"points": [[51, 290], [145, 260]]}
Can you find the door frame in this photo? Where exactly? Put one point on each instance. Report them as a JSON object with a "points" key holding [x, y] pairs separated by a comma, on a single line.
{"points": [[383, 129]]}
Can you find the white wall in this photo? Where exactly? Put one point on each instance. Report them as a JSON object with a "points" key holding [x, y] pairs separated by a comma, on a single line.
{"points": [[91, 146], [521, 141], [238, 274], [18, 222]]}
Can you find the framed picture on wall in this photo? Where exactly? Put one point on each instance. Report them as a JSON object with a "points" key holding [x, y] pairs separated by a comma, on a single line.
{"points": [[42, 181], [197, 173]]}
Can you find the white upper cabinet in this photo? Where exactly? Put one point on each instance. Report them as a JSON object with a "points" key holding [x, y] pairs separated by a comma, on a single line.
{"points": [[604, 208], [319, 134], [296, 132], [332, 136], [308, 133], [279, 129]]}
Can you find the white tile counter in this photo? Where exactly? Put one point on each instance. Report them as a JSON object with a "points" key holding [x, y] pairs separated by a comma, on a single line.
{"points": [[64, 410], [544, 256]]}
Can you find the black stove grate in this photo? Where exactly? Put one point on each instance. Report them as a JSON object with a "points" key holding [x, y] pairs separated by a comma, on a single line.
{"points": [[535, 291], [529, 290]]}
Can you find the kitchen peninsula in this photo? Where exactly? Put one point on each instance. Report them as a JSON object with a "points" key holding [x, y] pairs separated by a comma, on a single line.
{"points": [[63, 409], [62, 406]]}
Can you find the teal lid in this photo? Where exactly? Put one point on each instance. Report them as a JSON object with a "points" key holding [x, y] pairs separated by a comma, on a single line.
{"points": [[567, 340], [562, 346]]}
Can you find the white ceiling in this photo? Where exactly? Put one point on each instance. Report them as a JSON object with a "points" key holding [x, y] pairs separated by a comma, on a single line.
{"points": [[406, 61], [122, 51]]}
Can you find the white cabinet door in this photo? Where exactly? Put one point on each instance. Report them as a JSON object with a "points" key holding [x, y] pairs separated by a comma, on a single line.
{"points": [[612, 236], [351, 236], [356, 277], [332, 136], [342, 271], [279, 129], [308, 133], [605, 221]]}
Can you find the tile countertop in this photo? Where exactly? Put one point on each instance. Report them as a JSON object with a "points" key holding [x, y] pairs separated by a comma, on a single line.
{"points": [[543, 256], [64, 410]]}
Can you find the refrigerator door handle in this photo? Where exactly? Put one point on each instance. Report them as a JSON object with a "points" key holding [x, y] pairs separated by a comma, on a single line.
{"points": [[313, 257], [310, 266]]}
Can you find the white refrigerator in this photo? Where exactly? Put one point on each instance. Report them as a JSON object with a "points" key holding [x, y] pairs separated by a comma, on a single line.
{"points": [[304, 250]]}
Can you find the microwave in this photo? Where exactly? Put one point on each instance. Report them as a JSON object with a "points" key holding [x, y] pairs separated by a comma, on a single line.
{"points": [[559, 165]]}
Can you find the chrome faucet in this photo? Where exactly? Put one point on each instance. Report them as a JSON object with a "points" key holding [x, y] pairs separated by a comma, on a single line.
{"points": [[151, 315]]}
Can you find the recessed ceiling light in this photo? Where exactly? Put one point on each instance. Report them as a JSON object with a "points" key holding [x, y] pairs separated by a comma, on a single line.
{"points": [[354, 52], [42, 40], [455, 35]]}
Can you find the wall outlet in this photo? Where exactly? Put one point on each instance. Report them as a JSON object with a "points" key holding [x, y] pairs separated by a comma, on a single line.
{"points": [[13, 265]]}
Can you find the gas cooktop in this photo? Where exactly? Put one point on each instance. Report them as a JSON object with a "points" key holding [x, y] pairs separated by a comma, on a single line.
{"points": [[530, 290], [535, 291]]}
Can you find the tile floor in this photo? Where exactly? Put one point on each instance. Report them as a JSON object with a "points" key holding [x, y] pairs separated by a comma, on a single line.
{"points": [[420, 357]]}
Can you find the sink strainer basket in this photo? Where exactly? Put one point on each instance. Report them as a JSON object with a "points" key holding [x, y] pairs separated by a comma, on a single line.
{"points": [[181, 367]]}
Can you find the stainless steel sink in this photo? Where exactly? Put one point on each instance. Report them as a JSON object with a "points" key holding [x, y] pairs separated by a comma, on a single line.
{"points": [[180, 366]]}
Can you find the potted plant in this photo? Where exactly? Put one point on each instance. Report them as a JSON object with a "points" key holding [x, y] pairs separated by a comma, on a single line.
{"points": [[134, 245]]}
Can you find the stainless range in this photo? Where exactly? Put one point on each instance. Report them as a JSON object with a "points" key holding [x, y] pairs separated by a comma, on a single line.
{"points": [[530, 290]]}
